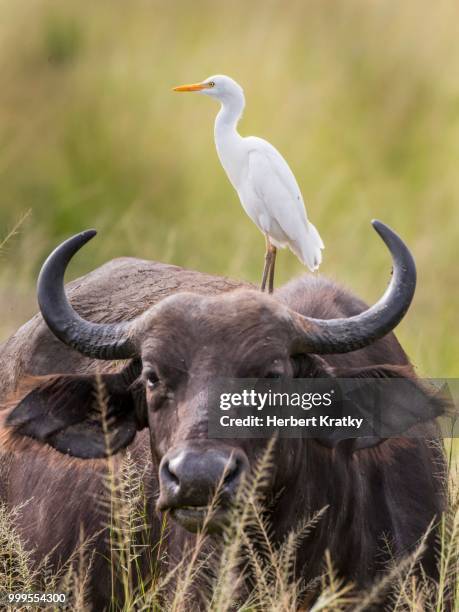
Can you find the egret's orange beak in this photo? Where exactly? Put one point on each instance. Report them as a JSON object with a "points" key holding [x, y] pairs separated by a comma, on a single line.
{"points": [[193, 87]]}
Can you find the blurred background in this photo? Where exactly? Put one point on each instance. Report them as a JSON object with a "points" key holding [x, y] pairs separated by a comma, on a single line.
{"points": [[361, 97]]}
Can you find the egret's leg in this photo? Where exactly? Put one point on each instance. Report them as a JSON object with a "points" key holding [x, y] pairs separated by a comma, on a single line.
{"points": [[271, 269], [264, 278]]}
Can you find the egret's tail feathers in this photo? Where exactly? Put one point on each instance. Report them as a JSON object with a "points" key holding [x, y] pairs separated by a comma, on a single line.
{"points": [[309, 252], [315, 235]]}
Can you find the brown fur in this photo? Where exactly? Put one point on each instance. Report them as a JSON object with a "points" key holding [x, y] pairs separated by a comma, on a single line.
{"points": [[394, 489]]}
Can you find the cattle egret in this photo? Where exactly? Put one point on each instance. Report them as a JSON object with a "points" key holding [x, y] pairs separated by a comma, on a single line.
{"points": [[263, 180]]}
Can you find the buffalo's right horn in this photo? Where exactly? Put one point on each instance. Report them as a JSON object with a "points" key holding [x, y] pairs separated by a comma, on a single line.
{"points": [[100, 341]]}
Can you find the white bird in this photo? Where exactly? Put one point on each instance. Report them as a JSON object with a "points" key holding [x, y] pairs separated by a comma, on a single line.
{"points": [[263, 180]]}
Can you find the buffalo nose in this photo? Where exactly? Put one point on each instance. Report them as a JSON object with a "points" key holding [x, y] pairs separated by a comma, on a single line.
{"points": [[190, 476]]}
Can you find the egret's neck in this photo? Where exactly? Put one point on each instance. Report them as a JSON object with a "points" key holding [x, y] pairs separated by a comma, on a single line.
{"points": [[228, 118]]}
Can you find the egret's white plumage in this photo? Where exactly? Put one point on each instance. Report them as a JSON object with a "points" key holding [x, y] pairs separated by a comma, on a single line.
{"points": [[262, 178]]}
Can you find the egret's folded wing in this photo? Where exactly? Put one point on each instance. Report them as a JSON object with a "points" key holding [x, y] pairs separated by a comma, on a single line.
{"points": [[274, 183]]}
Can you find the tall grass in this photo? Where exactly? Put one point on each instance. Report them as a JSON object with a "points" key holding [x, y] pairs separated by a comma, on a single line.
{"points": [[247, 556], [244, 569]]}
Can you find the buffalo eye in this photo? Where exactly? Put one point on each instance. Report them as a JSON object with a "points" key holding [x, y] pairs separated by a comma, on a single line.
{"points": [[152, 379], [273, 374], [302, 366]]}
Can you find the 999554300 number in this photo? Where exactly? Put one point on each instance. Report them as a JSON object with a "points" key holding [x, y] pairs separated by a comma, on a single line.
{"points": [[38, 599]]}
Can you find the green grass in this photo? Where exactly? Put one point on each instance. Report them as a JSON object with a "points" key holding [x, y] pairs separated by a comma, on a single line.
{"points": [[360, 97]]}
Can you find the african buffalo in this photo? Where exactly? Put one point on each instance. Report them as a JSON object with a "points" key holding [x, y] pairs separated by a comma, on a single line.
{"points": [[158, 335]]}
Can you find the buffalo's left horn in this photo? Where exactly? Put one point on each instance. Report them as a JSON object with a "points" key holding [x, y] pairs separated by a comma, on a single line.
{"points": [[326, 336], [100, 341]]}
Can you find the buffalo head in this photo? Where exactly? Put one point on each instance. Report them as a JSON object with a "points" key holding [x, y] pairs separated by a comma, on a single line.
{"points": [[175, 349]]}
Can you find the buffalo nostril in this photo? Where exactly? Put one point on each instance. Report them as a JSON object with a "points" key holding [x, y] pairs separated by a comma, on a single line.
{"points": [[232, 473], [168, 474], [228, 477]]}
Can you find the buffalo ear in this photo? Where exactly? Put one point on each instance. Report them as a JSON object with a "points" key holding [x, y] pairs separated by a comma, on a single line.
{"points": [[402, 406], [84, 416]]}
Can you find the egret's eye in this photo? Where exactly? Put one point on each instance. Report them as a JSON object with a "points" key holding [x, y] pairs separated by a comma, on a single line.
{"points": [[211, 84]]}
